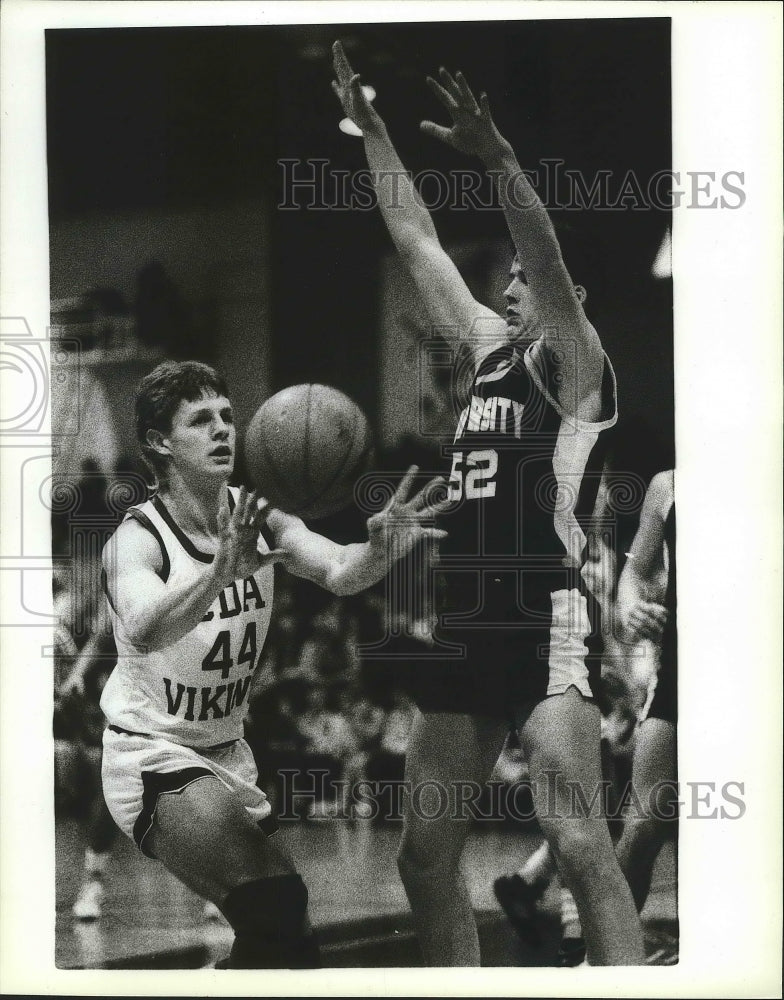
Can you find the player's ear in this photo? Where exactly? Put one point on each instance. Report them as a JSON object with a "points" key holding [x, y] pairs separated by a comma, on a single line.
{"points": [[157, 441], [582, 295]]}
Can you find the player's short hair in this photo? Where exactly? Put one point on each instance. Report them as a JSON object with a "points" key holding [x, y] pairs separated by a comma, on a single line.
{"points": [[160, 393]]}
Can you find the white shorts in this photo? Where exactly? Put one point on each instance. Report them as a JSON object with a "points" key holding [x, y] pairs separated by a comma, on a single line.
{"points": [[136, 770]]}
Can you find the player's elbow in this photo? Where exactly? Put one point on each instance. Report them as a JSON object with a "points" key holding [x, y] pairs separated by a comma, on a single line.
{"points": [[143, 632]]}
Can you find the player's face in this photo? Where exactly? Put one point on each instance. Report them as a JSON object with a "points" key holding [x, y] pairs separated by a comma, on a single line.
{"points": [[521, 318], [202, 437]]}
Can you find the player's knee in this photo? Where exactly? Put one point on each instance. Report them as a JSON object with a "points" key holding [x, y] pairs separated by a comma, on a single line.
{"points": [[425, 856], [579, 847], [645, 827]]}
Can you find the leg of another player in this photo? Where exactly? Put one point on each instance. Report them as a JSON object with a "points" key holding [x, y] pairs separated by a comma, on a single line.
{"points": [[101, 835], [205, 837], [444, 749], [519, 894], [561, 743], [645, 830]]}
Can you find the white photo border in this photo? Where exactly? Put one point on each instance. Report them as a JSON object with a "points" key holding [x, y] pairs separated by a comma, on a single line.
{"points": [[728, 318]]}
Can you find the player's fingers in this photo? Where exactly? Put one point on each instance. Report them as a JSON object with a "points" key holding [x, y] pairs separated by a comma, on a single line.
{"points": [[275, 555], [435, 533], [223, 514], [448, 81], [433, 499], [249, 509], [340, 62], [253, 508], [428, 495], [465, 91], [263, 508], [238, 514], [440, 507], [403, 486], [652, 612], [649, 626], [443, 95], [632, 625], [484, 106], [436, 131]]}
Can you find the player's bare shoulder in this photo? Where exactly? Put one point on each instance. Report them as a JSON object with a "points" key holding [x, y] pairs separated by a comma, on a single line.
{"points": [[661, 493], [132, 547]]}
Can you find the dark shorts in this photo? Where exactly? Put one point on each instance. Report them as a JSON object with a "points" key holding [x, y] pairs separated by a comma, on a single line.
{"points": [[497, 671]]}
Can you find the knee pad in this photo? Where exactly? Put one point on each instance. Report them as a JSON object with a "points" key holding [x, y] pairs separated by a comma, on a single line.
{"points": [[268, 919], [268, 906]]}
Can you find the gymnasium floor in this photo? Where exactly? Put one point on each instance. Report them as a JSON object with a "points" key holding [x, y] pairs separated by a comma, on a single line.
{"points": [[151, 921]]}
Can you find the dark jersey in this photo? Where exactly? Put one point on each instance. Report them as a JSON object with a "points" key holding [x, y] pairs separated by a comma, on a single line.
{"points": [[524, 479]]}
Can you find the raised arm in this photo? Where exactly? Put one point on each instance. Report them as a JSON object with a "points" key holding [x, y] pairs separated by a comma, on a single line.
{"points": [[451, 307], [570, 347], [643, 582], [348, 569], [154, 613]]}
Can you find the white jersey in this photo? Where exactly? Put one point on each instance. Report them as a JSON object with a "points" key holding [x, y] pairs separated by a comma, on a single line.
{"points": [[195, 691]]}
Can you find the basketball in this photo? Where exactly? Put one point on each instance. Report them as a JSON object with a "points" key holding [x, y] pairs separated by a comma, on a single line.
{"points": [[305, 448]]}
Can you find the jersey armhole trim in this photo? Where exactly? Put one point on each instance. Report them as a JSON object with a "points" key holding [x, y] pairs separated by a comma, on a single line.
{"points": [[179, 534], [570, 418], [145, 522]]}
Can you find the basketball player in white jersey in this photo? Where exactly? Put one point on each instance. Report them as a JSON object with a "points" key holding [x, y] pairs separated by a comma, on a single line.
{"points": [[524, 475], [647, 610], [189, 584]]}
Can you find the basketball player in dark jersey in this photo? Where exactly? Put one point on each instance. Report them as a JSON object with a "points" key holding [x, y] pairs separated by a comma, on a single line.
{"points": [[647, 610], [515, 622]]}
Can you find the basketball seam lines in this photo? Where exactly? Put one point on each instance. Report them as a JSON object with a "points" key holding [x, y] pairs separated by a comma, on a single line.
{"points": [[272, 469], [342, 468]]}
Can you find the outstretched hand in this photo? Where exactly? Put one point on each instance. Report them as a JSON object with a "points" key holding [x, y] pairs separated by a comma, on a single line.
{"points": [[644, 620], [405, 522], [348, 88], [473, 130], [237, 555]]}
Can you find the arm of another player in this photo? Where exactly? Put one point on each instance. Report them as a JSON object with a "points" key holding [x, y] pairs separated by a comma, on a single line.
{"points": [[75, 681], [154, 613], [643, 583], [569, 341], [348, 569], [452, 309]]}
